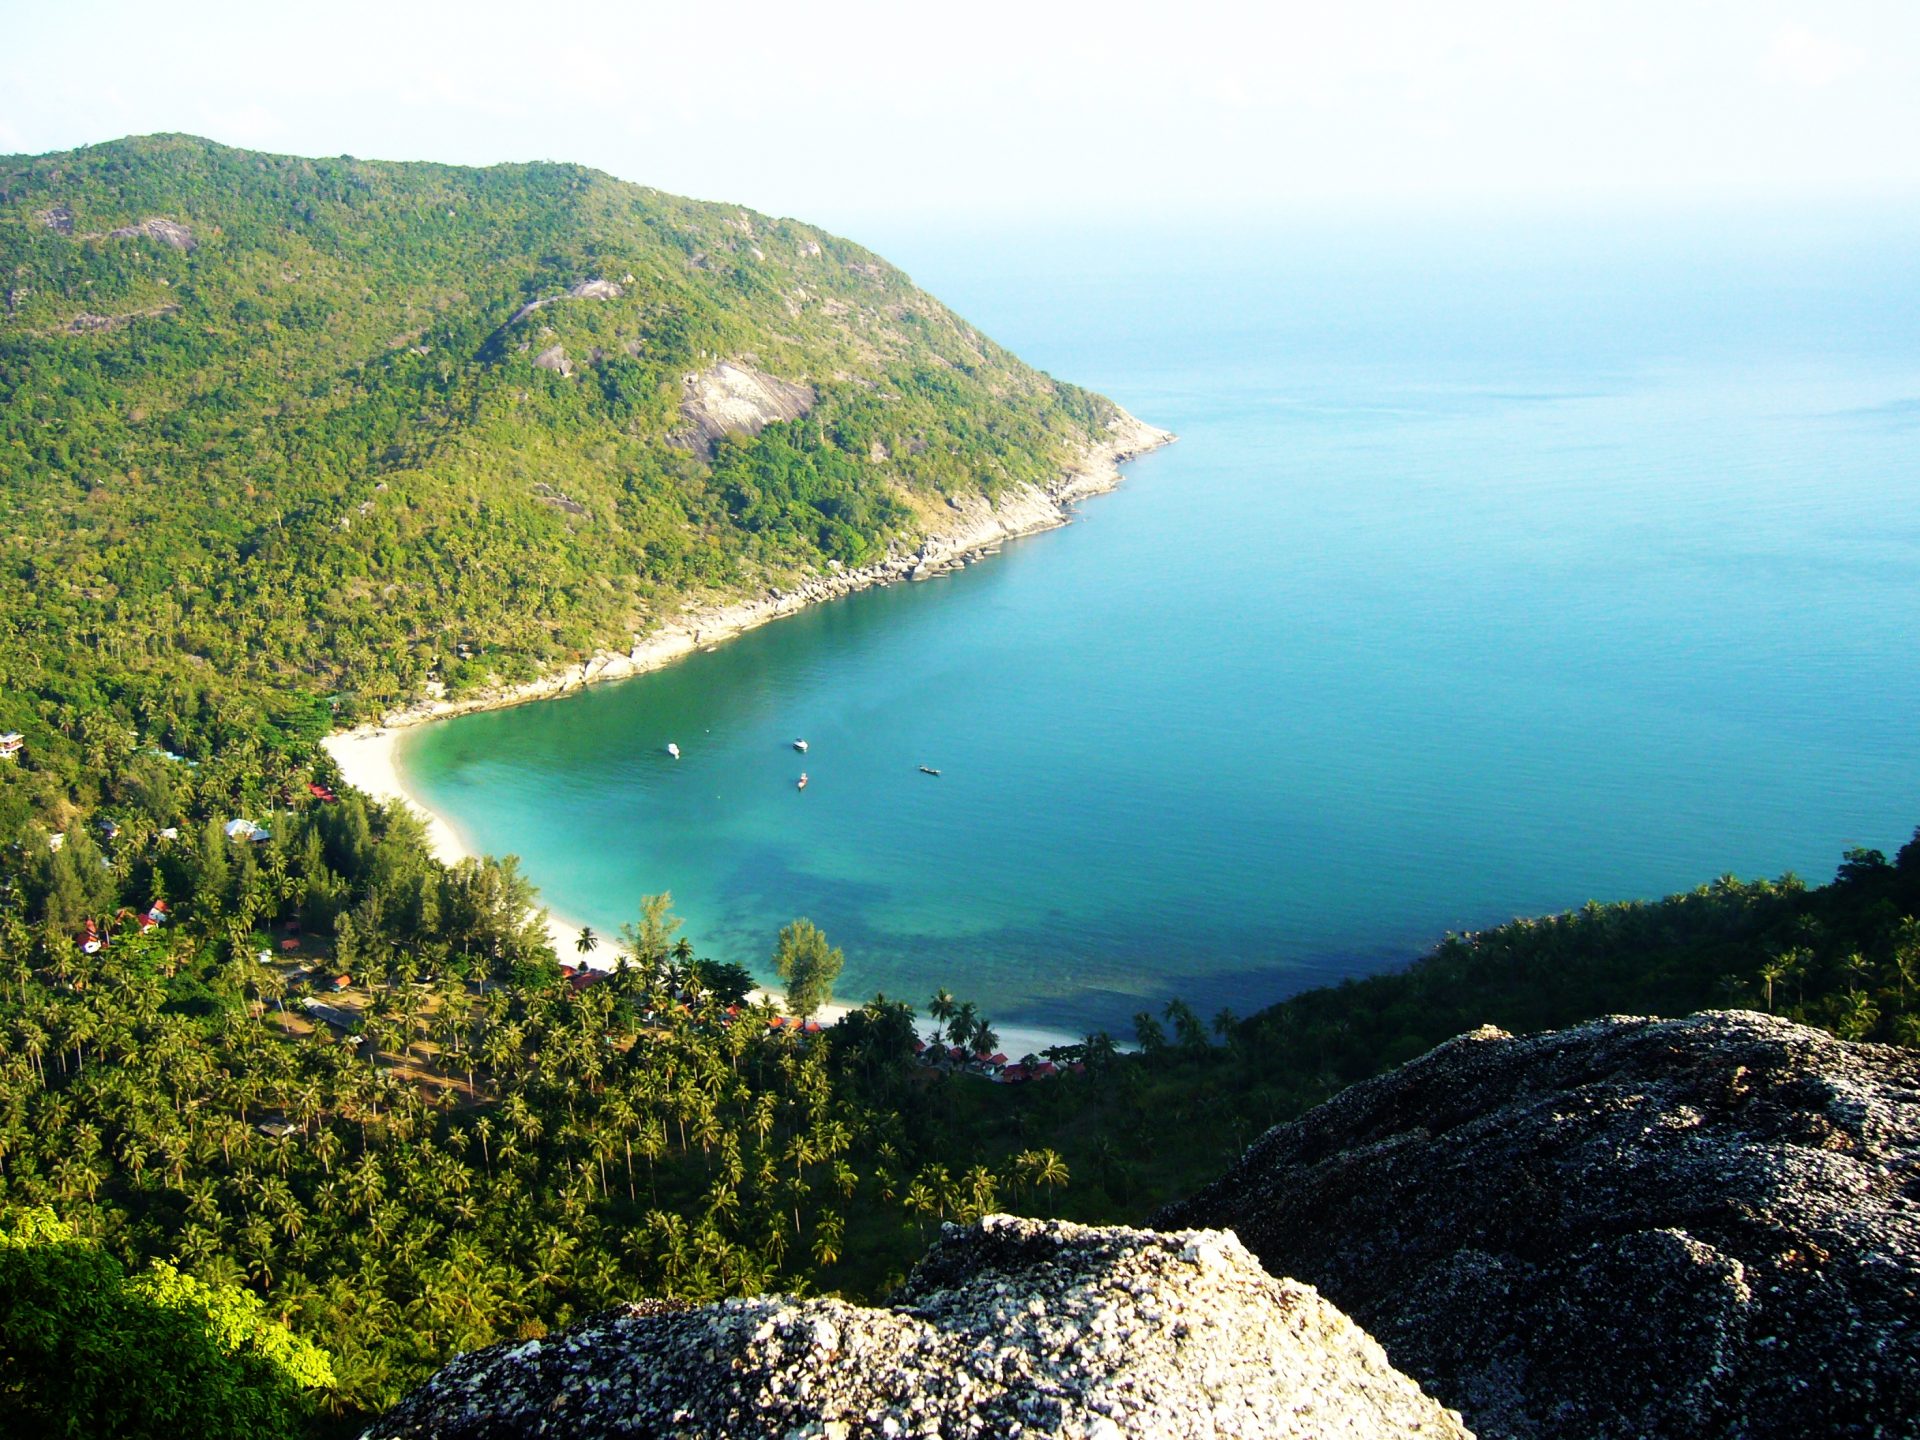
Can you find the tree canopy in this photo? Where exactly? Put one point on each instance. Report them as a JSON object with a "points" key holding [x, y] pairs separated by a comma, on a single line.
{"points": [[309, 435], [809, 966], [87, 1349]]}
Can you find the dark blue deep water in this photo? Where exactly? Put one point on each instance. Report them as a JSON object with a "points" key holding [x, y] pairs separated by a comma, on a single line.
{"points": [[1497, 569]]}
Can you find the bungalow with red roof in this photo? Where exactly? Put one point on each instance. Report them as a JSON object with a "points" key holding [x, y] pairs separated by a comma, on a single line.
{"points": [[11, 744]]}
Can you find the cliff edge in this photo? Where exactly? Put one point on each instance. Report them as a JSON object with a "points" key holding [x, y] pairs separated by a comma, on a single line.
{"points": [[1699, 1227], [1008, 1328]]}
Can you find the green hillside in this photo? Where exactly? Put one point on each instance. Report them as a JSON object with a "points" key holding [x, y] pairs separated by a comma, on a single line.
{"points": [[303, 428], [290, 1111]]}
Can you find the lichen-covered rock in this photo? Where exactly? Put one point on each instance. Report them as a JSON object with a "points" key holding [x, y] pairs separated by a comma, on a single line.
{"points": [[1700, 1227], [1008, 1328]]}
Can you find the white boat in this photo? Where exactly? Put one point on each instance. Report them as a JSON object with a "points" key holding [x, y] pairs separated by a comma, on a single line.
{"points": [[801, 746], [673, 750]]}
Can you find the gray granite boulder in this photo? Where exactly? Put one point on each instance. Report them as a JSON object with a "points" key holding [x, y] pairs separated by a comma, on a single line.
{"points": [[1007, 1328], [1699, 1227]]}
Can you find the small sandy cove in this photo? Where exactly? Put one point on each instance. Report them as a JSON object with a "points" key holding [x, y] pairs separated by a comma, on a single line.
{"points": [[368, 761], [368, 756]]}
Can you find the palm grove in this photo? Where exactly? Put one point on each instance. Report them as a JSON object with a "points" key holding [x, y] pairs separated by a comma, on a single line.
{"points": [[280, 465]]}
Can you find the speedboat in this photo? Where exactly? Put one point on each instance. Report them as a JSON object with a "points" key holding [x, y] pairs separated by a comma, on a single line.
{"points": [[673, 750], [801, 746], [801, 783]]}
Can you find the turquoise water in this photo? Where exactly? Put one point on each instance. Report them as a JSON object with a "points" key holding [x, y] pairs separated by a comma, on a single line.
{"points": [[1490, 575]]}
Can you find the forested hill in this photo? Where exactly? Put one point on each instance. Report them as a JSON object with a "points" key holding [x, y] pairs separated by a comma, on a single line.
{"points": [[304, 432]]}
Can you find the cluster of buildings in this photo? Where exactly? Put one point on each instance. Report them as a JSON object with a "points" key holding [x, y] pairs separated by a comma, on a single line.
{"points": [[92, 939], [995, 1067]]}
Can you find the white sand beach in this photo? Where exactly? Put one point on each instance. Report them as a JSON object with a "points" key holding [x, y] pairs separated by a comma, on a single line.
{"points": [[368, 762], [368, 755]]}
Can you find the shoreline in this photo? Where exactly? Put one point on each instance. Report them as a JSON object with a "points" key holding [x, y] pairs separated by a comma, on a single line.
{"points": [[977, 524], [368, 759]]}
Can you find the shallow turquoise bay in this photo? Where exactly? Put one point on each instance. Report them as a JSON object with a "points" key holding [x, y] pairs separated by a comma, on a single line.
{"points": [[1487, 578]]}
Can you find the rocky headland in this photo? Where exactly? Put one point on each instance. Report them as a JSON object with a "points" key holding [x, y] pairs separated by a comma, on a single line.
{"points": [[968, 529]]}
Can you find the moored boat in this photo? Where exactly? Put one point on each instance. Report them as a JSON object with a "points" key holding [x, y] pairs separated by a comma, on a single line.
{"points": [[928, 770], [801, 783], [673, 750], [801, 746]]}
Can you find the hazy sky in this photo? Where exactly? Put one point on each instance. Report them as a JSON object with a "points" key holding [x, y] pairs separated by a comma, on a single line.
{"points": [[845, 111]]}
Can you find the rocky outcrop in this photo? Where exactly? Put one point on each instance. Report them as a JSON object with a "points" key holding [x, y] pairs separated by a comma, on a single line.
{"points": [[1700, 1227], [729, 399], [170, 233], [585, 290], [84, 322], [1009, 1328]]}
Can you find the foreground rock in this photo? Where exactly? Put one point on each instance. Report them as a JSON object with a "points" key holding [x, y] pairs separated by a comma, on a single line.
{"points": [[1701, 1227], [1010, 1328]]}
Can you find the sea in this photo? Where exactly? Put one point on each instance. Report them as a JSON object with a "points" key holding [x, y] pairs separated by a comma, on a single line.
{"points": [[1503, 563]]}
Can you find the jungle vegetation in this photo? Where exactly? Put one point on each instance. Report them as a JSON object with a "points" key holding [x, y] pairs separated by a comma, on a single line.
{"points": [[306, 433], [463, 1144], [295, 1109]]}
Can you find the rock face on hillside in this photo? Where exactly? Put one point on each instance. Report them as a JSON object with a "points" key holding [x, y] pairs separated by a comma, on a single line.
{"points": [[730, 399], [1009, 1328], [1701, 1227]]}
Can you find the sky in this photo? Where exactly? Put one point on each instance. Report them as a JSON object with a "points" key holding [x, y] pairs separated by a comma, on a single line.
{"points": [[851, 113]]}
